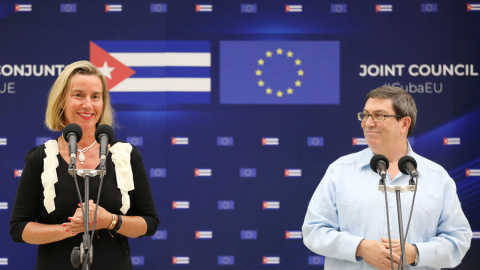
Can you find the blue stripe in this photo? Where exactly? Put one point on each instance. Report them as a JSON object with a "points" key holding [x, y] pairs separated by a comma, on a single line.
{"points": [[159, 98], [139, 46], [171, 72]]}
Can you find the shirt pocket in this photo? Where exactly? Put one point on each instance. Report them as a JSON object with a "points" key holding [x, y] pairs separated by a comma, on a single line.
{"points": [[350, 214], [425, 217]]}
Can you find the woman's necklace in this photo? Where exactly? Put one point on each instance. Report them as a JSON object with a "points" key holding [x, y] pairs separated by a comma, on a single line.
{"points": [[81, 157]]}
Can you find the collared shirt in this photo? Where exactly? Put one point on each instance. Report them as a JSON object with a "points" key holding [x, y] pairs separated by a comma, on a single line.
{"points": [[347, 207]]}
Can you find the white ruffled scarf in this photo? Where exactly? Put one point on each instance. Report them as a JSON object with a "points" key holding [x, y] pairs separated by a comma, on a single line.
{"points": [[123, 170]]}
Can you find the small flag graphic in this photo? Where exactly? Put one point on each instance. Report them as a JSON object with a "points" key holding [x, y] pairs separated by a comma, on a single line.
{"points": [[203, 8], [3, 141], [383, 8], [473, 7], [472, 172], [158, 8], [113, 8], [316, 260], [41, 140], [293, 8], [138, 260], [476, 235], [159, 235], [359, 141], [429, 7], [248, 234], [293, 235], [271, 205], [179, 141], [248, 8], [225, 141], [315, 141], [180, 204], [293, 172], [226, 260], [271, 260], [451, 141], [226, 205], [270, 141], [248, 172], [338, 8], [3, 205], [180, 260], [203, 234], [68, 8], [136, 141], [23, 7], [3, 261], [17, 173], [158, 172], [203, 172]]}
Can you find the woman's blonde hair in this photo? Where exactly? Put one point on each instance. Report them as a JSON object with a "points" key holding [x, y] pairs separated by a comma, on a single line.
{"points": [[54, 116]]}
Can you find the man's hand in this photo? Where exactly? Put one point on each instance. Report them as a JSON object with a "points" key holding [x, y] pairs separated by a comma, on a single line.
{"points": [[410, 250], [376, 254]]}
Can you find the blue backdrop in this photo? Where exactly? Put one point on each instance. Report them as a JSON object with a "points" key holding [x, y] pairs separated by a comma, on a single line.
{"points": [[238, 107]]}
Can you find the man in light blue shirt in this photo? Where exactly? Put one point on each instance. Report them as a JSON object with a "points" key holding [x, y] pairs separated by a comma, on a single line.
{"points": [[346, 218]]}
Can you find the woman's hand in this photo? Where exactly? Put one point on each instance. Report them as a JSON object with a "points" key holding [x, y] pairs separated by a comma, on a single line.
{"points": [[76, 224]]}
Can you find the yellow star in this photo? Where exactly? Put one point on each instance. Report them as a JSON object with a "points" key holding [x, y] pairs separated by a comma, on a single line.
{"points": [[261, 83], [258, 72], [268, 53], [301, 72], [298, 62], [298, 83], [279, 94], [290, 91], [260, 62], [289, 54], [268, 91], [279, 51]]}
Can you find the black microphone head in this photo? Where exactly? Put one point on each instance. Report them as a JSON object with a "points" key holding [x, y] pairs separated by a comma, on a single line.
{"points": [[402, 162], [375, 159], [76, 129], [107, 130]]}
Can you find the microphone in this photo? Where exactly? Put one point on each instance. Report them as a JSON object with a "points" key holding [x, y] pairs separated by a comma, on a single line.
{"points": [[72, 134], [104, 136], [408, 166], [379, 164]]}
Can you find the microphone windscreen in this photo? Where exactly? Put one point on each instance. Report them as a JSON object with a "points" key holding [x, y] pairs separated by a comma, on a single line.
{"points": [[403, 160], [375, 159], [75, 128], [107, 130]]}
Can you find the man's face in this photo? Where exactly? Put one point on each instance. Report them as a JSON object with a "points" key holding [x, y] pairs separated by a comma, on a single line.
{"points": [[382, 135]]}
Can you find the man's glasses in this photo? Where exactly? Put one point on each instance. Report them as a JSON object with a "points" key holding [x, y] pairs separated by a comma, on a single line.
{"points": [[375, 116]]}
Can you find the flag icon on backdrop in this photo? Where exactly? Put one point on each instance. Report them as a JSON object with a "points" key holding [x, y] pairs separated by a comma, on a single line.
{"points": [[315, 141], [383, 8], [23, 7], [316, 260], [293, 8], [154, 72], [158, 8], [68, 8], [248, 8], [17, 173], [473, 7], [270, 141], [158, 172], [226, 205], [180, 204], [359, 141], [293, 172], [180, 260], [136, 141], [248, 172], [3, 261], [203, 8], [451, 141], [113, 8], [3, 205], [293, 235], [226, 260], [429, 7], [3, 141], [138, 260], [179, 140], [224, 141], [279, 72], [248, 234], [160, 235], [472, 172], [203, 172], [203, 234], [271, 260], [271, 205], [338, 8], [42, 140]]}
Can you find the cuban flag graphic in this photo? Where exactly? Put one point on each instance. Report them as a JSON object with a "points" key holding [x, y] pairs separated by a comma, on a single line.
{"points": [[271, 260], [113, 8], [293, 8], [473, 7], [203, 172], [3, 261], [359, 141], [472, 172], [383, 8], [180, 260], [293, 172], [180, 204], [270, 141], [293, 235], [203, 8], [179, 140], [154, 72], [203, 234], [23, 7], [476, 235], [17, 173], [3, 205], [451, 141], [3, 141], [271, 205]]}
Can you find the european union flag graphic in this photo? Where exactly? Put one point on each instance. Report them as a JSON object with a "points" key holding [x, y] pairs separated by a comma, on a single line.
{"points": [[154, 72], [279, 72]]}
